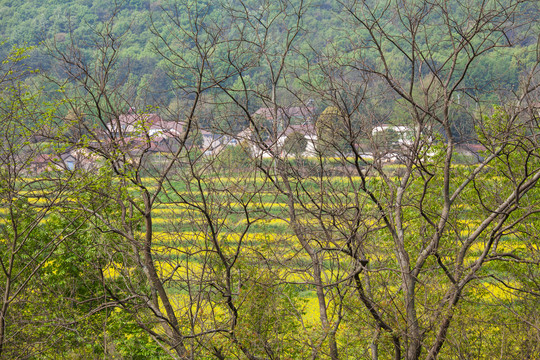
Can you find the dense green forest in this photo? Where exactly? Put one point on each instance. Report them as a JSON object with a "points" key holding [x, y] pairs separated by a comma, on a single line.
{"points": [[143, 27], [138, 24], [270, 179]]}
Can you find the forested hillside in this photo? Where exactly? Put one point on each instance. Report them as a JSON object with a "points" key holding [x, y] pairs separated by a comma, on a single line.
{"points": [[140, 24], [270, 179]]}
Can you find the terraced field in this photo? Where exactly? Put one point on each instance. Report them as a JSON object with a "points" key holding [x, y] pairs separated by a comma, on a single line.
{"points": [[238, 253]]}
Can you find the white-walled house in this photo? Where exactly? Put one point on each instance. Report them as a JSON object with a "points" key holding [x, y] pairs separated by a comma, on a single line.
{"points": [[309, 132], [268, 147], [404, 134], [136, 124], [214, 142]]}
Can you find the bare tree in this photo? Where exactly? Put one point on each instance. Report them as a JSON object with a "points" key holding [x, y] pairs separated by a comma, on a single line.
{"points": [[418, 210]]}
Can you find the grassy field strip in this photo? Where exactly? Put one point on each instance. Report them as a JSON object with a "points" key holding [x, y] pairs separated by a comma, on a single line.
{"points": [[198, 236], [495, 292], [508, 244], [196, 252], [235, 206], [163, 208], [38, 201], [260, 197], [234, 180]]}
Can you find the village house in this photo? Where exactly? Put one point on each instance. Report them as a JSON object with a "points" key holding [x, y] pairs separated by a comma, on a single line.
{"points": [[69, 160], [289, 120], [394, 134], [213, 143], [309, 133], [149, 132], [136, 124], [267, 147], [41, 163]]}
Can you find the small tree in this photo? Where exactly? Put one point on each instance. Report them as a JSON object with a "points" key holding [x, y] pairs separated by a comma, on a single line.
{"points": [[332, 133], [27, 241], [295, 144]]}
